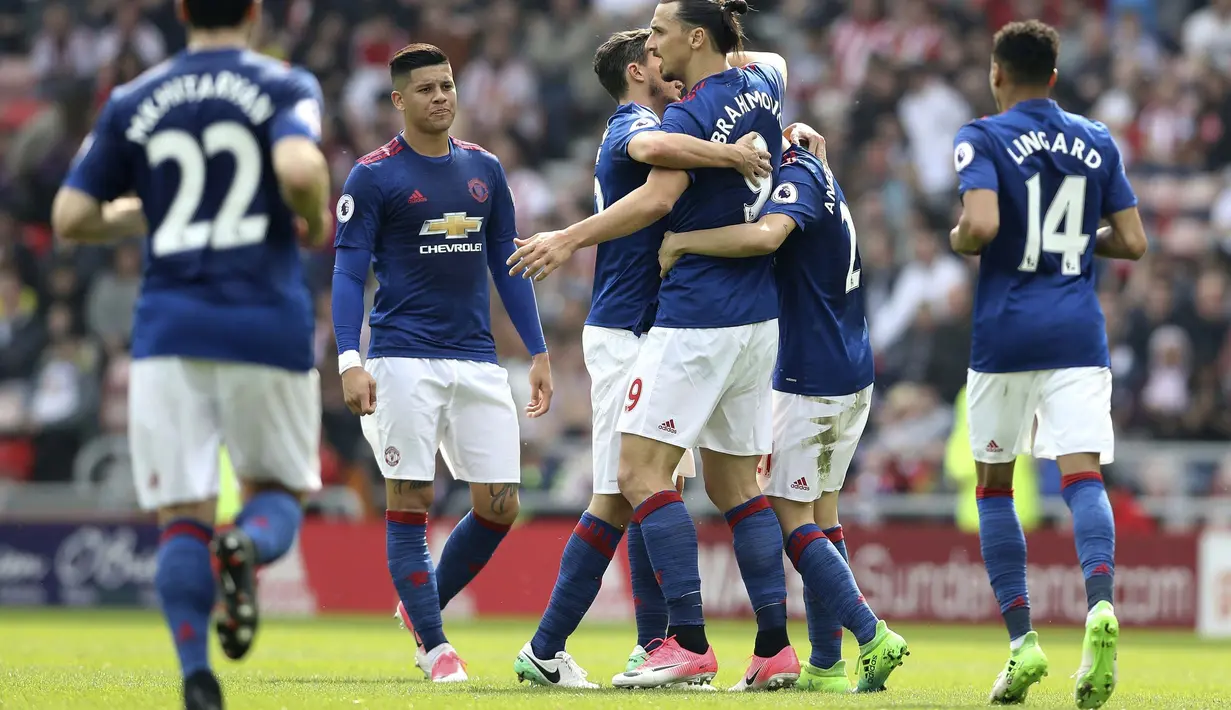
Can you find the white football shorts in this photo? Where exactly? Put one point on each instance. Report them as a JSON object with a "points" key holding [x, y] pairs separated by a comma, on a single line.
{"points": [[814, 442], [610, 354], [182, 410], [704, 387], [1073, 406], [464, 408]]}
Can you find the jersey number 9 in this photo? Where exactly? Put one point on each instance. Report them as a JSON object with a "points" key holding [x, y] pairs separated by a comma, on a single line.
{"points": [[181, 230], [1069, 206], [761, 188]]}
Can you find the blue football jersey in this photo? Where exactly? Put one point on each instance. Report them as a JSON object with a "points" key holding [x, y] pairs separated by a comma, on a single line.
{"points": [[1057, 175], [709, 292], [823, 347], [192, 137], [625, 270], [435, 227]]}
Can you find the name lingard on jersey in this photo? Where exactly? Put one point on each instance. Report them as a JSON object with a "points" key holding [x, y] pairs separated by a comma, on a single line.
{"points": [[744, 103], [1029, 143], [193, 88]]}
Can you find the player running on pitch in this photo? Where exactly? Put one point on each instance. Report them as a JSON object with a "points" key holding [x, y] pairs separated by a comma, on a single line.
{"points": [[702, 376], [822, 392], [220, 146], [1035, 181], [433, 215], [622, 309]]}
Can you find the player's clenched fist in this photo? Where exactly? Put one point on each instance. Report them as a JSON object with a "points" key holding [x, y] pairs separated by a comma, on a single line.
{"points": [[540, 255], [359, 391]]}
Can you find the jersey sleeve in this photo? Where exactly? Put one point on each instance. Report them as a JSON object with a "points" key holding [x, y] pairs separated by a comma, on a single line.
{"points": [[972, 159], [679, 119], [359, 211], [622, 133], [299, 111], [101, 169], [516, 293], [1119, 193], [797, 196]]}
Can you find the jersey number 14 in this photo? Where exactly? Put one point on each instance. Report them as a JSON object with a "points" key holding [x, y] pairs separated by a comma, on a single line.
{"points": [[180, 230], [1069, 207]]}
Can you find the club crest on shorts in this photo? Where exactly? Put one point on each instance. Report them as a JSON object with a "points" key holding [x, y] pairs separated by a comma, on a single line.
{"points": [[392, 456]]}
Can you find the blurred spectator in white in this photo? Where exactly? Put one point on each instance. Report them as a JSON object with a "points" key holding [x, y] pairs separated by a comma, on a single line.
{"points": [[931, 113], [925, 281], [130, 31], [61, 49], [1207, 34], [498, 89]]}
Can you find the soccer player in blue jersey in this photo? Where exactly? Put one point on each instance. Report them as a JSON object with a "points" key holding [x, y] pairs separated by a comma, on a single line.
{"points": [[220, 146], [702, 378], [625, 288], [433, 215], [822, 392], [1035, 183]]}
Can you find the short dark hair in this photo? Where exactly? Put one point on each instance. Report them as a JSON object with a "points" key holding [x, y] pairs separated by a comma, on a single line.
{"points": [[1027, 51], [719, 19], [613, 57], [412, 57], [216, 14]]}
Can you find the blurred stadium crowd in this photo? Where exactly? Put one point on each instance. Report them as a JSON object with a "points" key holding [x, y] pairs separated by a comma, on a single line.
{"points": [[888, 82]]}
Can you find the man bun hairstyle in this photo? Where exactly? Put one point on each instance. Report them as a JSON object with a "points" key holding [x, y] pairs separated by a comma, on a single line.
{"points": [[719, 19], [613, 57], [1027, 51], [412, 57]]}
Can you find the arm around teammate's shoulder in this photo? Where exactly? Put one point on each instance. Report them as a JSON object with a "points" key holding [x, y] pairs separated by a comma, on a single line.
{"points": [[683, 152], [734, 242], [1125, 238]]}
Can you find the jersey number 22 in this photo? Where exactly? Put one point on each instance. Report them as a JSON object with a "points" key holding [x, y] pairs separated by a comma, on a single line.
{"points": [[180, 230], [1068, 206]]}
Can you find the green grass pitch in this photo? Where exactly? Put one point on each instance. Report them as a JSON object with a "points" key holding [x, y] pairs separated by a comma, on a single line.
{"points": [[120, 660]]}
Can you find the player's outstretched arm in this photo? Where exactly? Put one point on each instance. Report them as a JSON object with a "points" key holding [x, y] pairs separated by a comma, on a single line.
{"points": [[979, 223], [1125, 238], [303, 179], [735, 241], [544, 252], [683, 152]]}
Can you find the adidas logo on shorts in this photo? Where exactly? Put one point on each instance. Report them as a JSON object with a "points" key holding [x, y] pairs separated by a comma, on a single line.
{"points": [[993, 447], [668, 426], [800, 485]]}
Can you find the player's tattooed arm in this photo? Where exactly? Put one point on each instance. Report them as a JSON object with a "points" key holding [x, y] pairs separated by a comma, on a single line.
{"points": [[683, 152], [735, 241], [1123, 238], [979, 223], [79, 217]]}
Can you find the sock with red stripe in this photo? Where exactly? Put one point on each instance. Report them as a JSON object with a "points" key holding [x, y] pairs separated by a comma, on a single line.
{"points": [[671, 540], [184, 580], [585, 560], [827, 575], [649, 604], [410, 565], [469, 548], [271, 519], [824, 626], [1094, 531], [1003, 545], [757, 537]]}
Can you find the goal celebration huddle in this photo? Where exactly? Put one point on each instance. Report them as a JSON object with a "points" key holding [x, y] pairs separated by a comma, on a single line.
{"points": [[726, 326]]}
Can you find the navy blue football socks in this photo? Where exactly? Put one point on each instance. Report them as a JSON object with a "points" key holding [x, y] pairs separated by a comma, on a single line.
{"points": [[757, 540], [671, 539], [586, 556], [1094, 532], [184, 580], [410, 566], [1003, 545], [826, 574], [824, 626], [469, 548], [649, 604], [271, 519]]}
